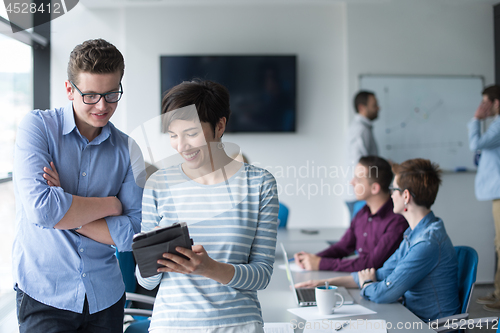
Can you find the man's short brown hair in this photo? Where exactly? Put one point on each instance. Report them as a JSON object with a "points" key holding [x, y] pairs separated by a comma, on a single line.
{"points": [[378, 171], [95, 56], [421, 177], [362, 98], [493, 92]]}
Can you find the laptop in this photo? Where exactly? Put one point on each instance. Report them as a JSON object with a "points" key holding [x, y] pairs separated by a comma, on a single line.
{"points": [[306, 296]]}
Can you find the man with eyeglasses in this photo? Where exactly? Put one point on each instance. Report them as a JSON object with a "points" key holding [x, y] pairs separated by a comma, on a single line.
{"points": [[78, 185], [375, 232]]}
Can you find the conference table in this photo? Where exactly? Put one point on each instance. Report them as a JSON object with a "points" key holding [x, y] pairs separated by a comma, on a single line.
{"points": [[278, 297]]}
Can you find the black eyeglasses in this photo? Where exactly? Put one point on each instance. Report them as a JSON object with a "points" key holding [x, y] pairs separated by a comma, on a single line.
{"points": [[94, 98], [392, 189]]}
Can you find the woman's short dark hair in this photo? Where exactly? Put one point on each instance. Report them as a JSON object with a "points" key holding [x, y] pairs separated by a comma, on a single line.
{"points": [[379, 171], [421, 177], [210, 98]]}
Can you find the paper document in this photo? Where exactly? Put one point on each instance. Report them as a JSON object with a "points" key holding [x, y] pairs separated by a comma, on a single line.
{"points": [[350, 325], [293, 267], [312, 312], [278, 328]]}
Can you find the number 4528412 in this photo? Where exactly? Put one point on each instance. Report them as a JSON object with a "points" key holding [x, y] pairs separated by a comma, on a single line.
{"points": [[464, 324], [32, 8]]}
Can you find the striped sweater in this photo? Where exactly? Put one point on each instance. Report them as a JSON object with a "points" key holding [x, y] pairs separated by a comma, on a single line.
{"points": [[236, 222]]}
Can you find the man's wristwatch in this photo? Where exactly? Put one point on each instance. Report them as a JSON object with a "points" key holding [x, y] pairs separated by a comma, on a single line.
{"points": [[364, 283]]}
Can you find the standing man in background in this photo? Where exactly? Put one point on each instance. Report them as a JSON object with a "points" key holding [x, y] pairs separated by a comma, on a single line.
{"points": [[488, 173], [69, 220], [360, 140]]}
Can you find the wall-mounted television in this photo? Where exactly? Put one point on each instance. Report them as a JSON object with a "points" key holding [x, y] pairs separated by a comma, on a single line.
{"points": [[262, 88]]}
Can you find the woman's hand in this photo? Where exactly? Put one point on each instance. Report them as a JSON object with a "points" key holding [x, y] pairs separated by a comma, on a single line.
{"points": [[51, 175], [367, 274], [199, 263]]}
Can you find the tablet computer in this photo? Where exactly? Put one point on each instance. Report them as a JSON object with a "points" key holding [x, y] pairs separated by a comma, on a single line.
{"points": [[149, 246]]}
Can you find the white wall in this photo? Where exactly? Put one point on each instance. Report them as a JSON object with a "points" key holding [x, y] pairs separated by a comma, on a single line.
{"points": [[315, 33], [335, 43]]}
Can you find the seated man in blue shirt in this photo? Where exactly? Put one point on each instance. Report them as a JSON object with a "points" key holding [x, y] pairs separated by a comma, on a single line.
{"points": [[66, 275], [375, 231], [415, 272]]}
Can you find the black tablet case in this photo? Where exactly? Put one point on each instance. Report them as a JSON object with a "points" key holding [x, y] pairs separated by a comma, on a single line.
{"points": [[148, 247]]}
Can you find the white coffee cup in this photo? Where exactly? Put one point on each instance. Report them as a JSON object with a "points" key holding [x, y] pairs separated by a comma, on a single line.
{"points": [[326, 299]]}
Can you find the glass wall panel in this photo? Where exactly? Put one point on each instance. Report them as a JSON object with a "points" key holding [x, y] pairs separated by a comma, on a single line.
{"points": [[16, 100]]}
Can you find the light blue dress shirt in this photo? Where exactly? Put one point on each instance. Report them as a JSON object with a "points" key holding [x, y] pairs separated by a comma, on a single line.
{"points": [[424, 271], [59, 267], [488, 171]]}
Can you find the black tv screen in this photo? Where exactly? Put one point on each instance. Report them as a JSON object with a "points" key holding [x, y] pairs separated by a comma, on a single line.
{"points": [[262, 88]]}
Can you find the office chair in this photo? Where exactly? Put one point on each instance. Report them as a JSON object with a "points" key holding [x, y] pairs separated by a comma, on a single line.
{"points": [[127, 267], [282, 215], [134, 304], [467, 271], [357, 207], [137, 305], [138, 327]]}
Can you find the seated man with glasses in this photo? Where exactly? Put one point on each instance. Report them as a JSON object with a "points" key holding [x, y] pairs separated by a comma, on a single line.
{"points": [[375, 231], [71, 219]]}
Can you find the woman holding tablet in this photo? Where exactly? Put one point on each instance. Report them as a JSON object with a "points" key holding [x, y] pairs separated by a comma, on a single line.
{"points": [[231, 210]]}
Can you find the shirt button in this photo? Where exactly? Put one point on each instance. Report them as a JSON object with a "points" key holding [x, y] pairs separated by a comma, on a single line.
{"points": [[360, 250], [84, 275], [387, 283], [81, 250], [369, 219], [84, 174], [365, 234]]}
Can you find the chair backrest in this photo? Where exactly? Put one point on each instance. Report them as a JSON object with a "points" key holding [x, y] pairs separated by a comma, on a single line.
{"points": [[127, 266], [138, 327], [126, 259], [467, 271], [282, 216]]}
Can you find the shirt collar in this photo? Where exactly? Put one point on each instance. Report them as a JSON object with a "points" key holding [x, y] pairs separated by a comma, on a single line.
{"points": [[69, 119], [385, 209], [421, 226], [364, 120], [105, 133], [70, 125]]}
